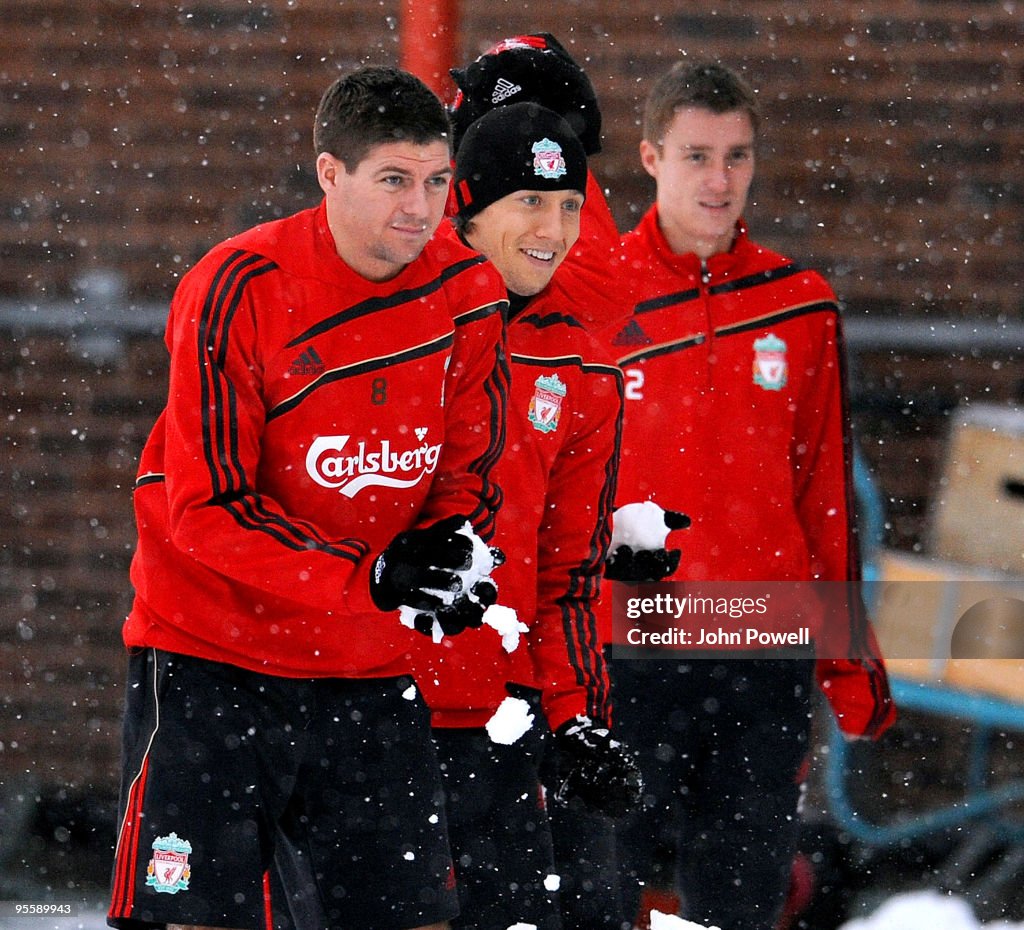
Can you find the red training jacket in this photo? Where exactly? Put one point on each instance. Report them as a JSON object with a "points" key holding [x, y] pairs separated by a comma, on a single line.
{"points": [[592, 277], [557, 475], [312, 415], [735, 414]]}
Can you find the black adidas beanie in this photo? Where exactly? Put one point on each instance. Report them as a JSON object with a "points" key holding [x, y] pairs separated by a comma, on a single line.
{"points": [[534, 68], [519, 147]]}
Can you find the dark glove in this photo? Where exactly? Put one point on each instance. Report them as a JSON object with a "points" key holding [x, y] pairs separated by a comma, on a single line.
{"points": [[534, 68], [676, 520], [418, 563], [633, 566], [595, 769], [636, 566], [465, 612]]}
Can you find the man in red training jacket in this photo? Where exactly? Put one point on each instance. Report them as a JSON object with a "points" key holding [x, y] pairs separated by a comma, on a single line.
{"points": [[336, 406], [537, 68], [519, 186], [735, 415]]}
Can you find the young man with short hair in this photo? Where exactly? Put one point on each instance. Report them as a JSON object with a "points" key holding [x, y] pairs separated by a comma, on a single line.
{"points": [[735, 414], [519, 185], [336, 405]]}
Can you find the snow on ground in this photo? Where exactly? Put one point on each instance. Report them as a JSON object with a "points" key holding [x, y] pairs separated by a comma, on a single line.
{"points": [[925, 910], [660, 921], [919, 910]]}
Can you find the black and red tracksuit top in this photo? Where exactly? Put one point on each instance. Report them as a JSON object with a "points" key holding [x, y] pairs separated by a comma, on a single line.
{"points": [[557, 475], [312, 415], [735, 414]]}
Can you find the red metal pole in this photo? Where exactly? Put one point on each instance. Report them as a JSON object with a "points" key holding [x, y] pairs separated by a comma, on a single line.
{"points": [[429, 42]]}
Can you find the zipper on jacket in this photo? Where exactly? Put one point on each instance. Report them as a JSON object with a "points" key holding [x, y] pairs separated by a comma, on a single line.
{"points": [[709, 326]]}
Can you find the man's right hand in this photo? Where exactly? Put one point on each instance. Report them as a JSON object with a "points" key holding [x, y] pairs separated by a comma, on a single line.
{"points": [[595, 768], [418, 568], [636, 566], [637, 552], [464, 613]]}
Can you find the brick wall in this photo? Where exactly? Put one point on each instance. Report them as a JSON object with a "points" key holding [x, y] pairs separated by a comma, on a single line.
{"points": [[72, 433], [134, 135]]}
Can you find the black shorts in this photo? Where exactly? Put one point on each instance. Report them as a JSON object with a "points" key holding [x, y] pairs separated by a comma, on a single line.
{"points": [[221, 764], [498, 829]]}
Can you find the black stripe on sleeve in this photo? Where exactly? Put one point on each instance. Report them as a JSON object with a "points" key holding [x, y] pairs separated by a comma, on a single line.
{"points": [[779, 316], [733, 329], [578, 618], [497, 388], [539, 321], [217, 395], [251, 513], [480, 313], [230, 487], [561, 361], [768, 276], [667, 300], [664, 348]]}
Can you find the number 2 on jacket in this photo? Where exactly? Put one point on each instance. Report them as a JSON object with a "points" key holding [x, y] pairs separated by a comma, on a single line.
{"points": [[634, 384]]}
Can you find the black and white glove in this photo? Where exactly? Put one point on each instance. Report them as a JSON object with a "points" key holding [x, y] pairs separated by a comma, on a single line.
{"points": [[439, 574], [636, 566], [637, 552], [466, 611], [592, 767], [418, 568]]}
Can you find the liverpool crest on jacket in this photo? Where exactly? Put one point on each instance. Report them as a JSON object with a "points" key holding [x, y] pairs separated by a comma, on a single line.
{"points": [[771, 369], [546, 403]]}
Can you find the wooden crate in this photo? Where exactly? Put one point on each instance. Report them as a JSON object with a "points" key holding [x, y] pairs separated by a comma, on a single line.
{"points": [[916, 606], [977, 516]]}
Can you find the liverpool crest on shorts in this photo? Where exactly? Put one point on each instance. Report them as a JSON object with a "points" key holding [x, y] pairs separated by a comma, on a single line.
{"points": [[168, 871], [546, 403], [771, 370], [547, 159]]}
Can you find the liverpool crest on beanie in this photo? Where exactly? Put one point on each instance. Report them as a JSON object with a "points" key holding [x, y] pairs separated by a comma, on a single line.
{"points": [[522, 146]]}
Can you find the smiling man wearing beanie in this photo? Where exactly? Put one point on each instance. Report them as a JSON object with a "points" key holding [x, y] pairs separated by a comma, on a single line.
{"points": [[519, 184], [537, 68]]}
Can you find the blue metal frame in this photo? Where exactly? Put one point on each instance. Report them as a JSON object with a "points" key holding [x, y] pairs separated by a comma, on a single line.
{"points": [[987, 714]]}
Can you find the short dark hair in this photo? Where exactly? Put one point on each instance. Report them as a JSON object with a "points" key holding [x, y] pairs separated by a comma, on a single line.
{"points": [[707, 85], [374, 106]]}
